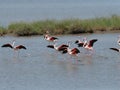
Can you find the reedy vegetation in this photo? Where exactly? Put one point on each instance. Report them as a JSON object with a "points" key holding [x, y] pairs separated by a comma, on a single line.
{"points": [[66, 26]]}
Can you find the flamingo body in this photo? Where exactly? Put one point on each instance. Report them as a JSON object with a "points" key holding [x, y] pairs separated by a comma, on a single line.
{"points": [[73, 51], [50, 38]]}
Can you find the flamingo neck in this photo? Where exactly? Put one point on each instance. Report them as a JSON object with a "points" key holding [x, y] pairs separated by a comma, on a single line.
{"points": [[13, 43], [55, 45], [85, 42]]}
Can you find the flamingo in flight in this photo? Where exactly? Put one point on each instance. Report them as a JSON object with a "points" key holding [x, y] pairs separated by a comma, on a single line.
{"points": [[14, 47]]}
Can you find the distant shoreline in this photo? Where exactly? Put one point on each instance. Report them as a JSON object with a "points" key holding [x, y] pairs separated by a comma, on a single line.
{"points": [[63, 27]]}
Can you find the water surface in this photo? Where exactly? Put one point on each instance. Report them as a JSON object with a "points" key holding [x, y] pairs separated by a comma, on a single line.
{"points": [[42, 68]]}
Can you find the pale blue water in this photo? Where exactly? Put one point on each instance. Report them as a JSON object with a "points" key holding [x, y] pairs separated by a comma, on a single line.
{"points": [[31, 10], [41, 68]]}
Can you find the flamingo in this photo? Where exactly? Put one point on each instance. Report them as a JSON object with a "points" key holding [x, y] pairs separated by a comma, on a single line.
{"points": [[115, 49], [89, 45], [86, 44], [14, 47], [81, 43], [50, 38], [73, 51], [58, 48]]}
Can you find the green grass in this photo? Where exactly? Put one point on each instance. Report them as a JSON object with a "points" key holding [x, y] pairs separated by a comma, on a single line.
{"points": [[2, 31], [66, 26]]}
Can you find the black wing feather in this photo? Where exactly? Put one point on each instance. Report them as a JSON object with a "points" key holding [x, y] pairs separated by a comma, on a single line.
{"points": [[7, 45], [21, 47], [64, 51], [91, 42], [115, 49], [50, 46]]}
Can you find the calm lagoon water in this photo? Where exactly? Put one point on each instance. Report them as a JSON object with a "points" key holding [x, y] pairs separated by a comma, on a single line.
{"points": [[41, 68], [32, 10]]}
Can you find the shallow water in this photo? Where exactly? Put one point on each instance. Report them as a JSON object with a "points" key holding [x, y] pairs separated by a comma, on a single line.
{"points": [[41, 68]]}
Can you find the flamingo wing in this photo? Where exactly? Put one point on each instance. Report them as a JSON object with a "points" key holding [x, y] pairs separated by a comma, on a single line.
{"points": [[53, 38], [7, 45], [80, 44], [115, 49], [75, 50], [50, 46], [20, 47], [77, 41], [64, 51], [62, 48], [63, 45], [91, 42]]}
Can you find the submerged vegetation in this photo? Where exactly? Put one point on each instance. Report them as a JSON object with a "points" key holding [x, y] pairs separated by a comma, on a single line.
{"points": [[67, 26]]}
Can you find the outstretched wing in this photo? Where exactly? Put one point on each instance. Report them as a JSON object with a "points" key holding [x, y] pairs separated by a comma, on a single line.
{"points": [[50, 46], [64, 51], [91, 42], [62, 47], [75, 50], [53, 38], [80, 44], [115, 49], [77, 41], [20, 47], [7, 45]]}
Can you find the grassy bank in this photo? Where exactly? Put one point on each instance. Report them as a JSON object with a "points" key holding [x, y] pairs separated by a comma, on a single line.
{"points": [[67, 26]]}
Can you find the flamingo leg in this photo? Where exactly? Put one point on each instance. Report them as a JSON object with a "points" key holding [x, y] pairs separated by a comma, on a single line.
{"points": [[18, 53], [14, 54]]}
